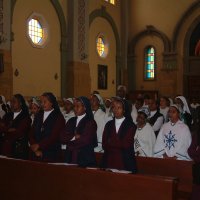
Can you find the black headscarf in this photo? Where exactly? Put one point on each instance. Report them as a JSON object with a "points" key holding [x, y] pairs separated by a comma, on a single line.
{"points": [[127, 112], [53, 100], [85, 101], [21, 99]]}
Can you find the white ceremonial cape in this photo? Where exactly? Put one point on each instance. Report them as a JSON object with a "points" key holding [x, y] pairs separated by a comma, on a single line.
{"points": [[144, 141], [174, 140]]}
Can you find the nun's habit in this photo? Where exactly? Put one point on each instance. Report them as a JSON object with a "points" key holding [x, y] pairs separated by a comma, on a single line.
{"points": [[118, 142], [15, 144], [81, 151], [46, 130]]}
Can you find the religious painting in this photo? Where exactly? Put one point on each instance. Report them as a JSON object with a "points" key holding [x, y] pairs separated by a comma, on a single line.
{"points": [[102, 77]]}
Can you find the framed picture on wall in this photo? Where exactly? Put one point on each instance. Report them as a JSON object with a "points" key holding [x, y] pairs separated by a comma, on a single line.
{"points": [[102, 77]]}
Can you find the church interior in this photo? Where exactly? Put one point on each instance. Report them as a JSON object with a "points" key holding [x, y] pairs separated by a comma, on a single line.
{"points": [[67, 60], [75, 48]]}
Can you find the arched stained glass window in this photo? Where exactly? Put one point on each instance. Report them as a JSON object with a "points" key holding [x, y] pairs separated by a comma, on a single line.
{"points": [[101, 46], [149, 63]]}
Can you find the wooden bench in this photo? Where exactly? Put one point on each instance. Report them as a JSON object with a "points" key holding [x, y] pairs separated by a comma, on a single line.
{"points": [[166, 167], [31, 180]]}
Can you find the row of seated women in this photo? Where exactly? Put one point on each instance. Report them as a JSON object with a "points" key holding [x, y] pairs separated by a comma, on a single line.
{"points": [[122, 139]]}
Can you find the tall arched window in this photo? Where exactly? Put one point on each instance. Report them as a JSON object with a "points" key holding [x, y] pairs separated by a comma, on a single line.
{"points": [[102, 46], [149, 73]]}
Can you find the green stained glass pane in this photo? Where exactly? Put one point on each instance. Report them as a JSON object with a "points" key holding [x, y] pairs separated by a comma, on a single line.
{"points": [[150, 65]]}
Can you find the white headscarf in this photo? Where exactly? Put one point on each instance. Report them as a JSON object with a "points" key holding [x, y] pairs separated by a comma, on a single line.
{"points": [[36, 102], [171, 101], [122, 86], [145, 110], [175, 106], [101, 102], [71, 100], [185, 105], [3, 99]]}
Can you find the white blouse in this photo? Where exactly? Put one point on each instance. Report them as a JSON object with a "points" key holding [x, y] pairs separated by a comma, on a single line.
{"points": [[46, 114], [118, 123]]}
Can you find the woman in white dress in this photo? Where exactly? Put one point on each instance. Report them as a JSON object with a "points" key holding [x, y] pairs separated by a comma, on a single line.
{"points": [[99, 116], [174, 138], [164, 107], [145, 138], [185, 114], [69, 109]]}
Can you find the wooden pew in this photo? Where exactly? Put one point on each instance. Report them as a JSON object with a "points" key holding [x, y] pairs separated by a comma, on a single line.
{"points": [[166, 167], [31, 180]]}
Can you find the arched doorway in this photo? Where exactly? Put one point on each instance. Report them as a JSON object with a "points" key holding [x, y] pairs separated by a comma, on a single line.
{"points": [[192, 57]]}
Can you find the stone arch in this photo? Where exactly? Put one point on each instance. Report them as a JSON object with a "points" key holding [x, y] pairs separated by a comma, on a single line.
{"points": [[104, 14], [191, 74], [188, 36], [195, 6], [150, 30], [63, 45]]}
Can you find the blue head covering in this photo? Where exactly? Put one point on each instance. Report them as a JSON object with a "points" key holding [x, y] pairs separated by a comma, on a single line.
{"points": [[145, 110], [53, 100], [85, 101]]}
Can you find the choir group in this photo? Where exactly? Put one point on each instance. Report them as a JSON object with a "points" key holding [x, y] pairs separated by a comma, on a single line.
{"points": [[44, 130]]}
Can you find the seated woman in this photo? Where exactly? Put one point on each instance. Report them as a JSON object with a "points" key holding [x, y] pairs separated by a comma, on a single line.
{"points": [[45, 131], [145, 138], [80, 135], [14, 129], [118, 139], [194, 153], [174, 138]]}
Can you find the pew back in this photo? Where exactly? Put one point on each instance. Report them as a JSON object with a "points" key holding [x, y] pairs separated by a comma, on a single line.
{"points": [[31, 180], [166, 167], [169, 167]]}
